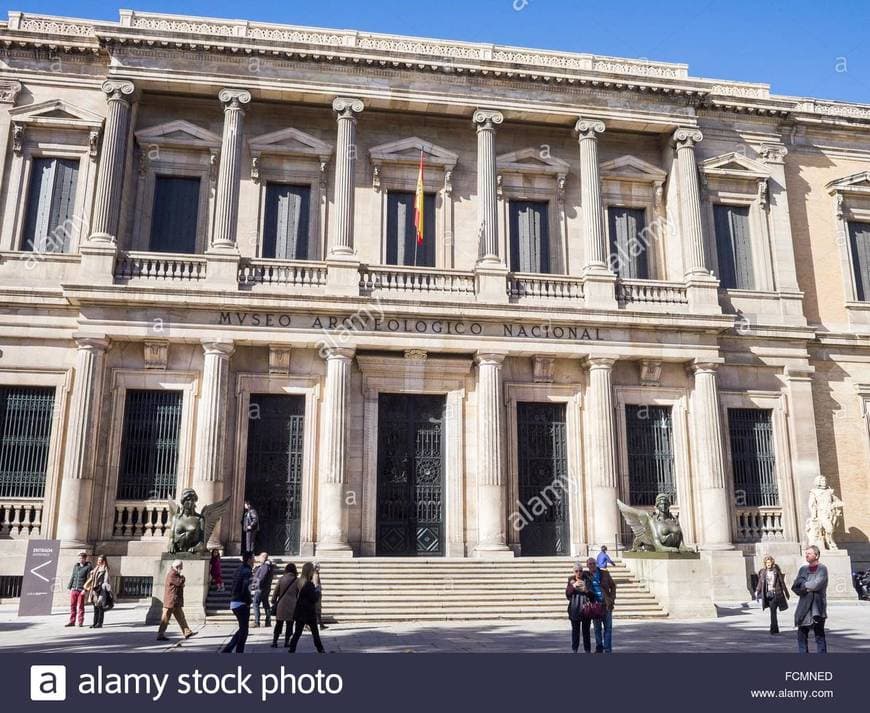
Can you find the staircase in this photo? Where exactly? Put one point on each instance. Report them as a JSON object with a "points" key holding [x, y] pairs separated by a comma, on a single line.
{"points": [[415, 589]]}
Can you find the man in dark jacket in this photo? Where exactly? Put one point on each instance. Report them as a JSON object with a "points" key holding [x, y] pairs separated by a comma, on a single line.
{"points": [[80, 574], [250, 525], [604, 591], [173, 601], [262, 586], [240, 604], [811, 585]]}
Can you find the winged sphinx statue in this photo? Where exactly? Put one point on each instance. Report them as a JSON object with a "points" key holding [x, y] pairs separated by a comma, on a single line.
{"points": [[656, 531], [191, 530]]}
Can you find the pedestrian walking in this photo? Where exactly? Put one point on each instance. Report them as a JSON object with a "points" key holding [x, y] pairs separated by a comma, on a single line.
{"points": [[604, 591], [771, 591], [579, 594], [215, 571], [98, 588], [173, 601], [318, 585], [261, 586], [250, 526], [240, 604], [80, 573], [306, 609], [811, 585], [284, 604], [603, 558]]}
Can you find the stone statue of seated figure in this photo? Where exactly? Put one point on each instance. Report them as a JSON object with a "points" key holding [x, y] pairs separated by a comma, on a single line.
{"points": [[657, 531], [191, 530]]}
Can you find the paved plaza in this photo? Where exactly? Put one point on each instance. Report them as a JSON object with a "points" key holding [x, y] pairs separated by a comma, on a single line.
{"points": [[737, 629]]}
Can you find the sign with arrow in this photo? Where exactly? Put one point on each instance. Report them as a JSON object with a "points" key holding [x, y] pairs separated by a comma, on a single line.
{"points": [[40, 571]]}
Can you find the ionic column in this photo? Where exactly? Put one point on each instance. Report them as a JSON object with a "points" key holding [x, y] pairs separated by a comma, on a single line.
{"points": [[486, 121], [346, 109], [208, 463], [331, 512], [595, 246], [710, 460], [601, 451], [690, 201], [110, 174], [227, 191], [491, 481], [78, 464]]}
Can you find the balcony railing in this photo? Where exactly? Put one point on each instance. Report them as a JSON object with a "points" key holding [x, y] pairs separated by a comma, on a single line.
{"points": [[418, 280], [141, 519], [160, 267], [640, 292], [20, 519], [282, 273], [544, 287], [758, 524]]}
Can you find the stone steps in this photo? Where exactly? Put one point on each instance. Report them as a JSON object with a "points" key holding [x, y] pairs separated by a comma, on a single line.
{"points": [[413, 589]]}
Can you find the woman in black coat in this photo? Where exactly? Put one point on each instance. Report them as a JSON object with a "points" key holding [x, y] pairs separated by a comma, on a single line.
{"points": [[306, 609], [772, 592]]}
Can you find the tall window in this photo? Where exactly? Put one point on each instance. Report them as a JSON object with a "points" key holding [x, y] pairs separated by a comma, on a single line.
{"points": [[529, 236], [859, 244], [402, 245], [176, 215], [149, 449], [51, 199], [285, 228], [733, 247], [752, 456], [650, 445], [629, 256], [25, 431]]}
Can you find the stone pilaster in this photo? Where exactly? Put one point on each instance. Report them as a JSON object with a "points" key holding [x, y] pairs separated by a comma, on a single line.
{"points": [[110, 174], [491, 480], [331, 511], [227, 193], [9, 91], [208, 468], [601, 451], [78, 470], [715, 530]]}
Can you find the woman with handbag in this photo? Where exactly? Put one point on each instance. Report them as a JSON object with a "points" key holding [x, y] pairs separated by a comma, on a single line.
{"points": [[284, 604], [100, 591], [577, 592], [772, 592]]}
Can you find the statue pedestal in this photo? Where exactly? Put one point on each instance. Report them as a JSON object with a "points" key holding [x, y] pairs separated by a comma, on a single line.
{"points": [[196, 575]]}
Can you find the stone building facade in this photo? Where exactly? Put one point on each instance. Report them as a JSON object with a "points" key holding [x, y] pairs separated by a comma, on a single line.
{"points": [[630, 281]]}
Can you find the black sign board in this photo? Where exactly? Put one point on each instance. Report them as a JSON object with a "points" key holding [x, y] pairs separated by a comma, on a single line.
{"points": [[40, 571]]}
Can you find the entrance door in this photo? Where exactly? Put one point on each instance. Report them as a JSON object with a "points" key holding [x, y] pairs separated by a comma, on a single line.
{"points": [[543, 479], [410, 475], [273, 477]]}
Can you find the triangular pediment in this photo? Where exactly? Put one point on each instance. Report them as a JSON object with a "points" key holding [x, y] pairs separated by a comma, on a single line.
{"points": [[858, 182], [734, 165], [179, 133], [632, 168], [532, 160], [290, 142], [55, 112], [408, 151]]}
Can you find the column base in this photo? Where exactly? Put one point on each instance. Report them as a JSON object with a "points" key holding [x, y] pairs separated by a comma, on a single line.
{"points": [[491, 282], [702, 292], [98, 256], [599, 288], [334, 550], [342, 274], [222, 267], [493, 552]]}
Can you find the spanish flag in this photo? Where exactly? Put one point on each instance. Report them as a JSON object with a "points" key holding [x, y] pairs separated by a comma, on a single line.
{"points": [[419, 201]]}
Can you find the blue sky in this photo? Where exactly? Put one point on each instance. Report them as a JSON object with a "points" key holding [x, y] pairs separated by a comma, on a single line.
{"points": [[799, 47]]}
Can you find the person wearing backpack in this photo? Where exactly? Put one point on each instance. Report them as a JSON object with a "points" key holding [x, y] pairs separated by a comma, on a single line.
{"points": [[284, 604]]}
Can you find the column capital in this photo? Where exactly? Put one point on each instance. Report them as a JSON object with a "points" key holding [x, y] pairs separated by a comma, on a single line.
{"points": [[346, 107], [600, 362], [342, 353], [487, 119], [85, 342], [704, 366], [233, 98], [118, 89], [9, 91], [588, 128], [220, 347], [489, 358], [686, 137]]}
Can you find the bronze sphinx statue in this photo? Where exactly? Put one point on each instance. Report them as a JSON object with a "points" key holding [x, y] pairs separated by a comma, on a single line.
{"points": [[656, 531], [191, 530]]}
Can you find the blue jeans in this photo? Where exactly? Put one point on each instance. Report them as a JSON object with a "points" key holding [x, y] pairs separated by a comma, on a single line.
{"points": [[237, 643], [803, 636], [603, 639]]}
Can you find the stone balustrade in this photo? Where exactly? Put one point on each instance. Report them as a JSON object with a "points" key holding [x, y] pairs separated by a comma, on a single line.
{"points": [[283, 273], [20, 519], [160, 267], [758, 524], [396, 279], [650, 292], [136, 519], [545, 287]]}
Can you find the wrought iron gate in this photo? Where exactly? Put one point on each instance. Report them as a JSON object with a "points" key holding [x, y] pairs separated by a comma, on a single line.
{"points": [[649, 436], [752, 457], [273, 476], [410, 475], [543, 479]]}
